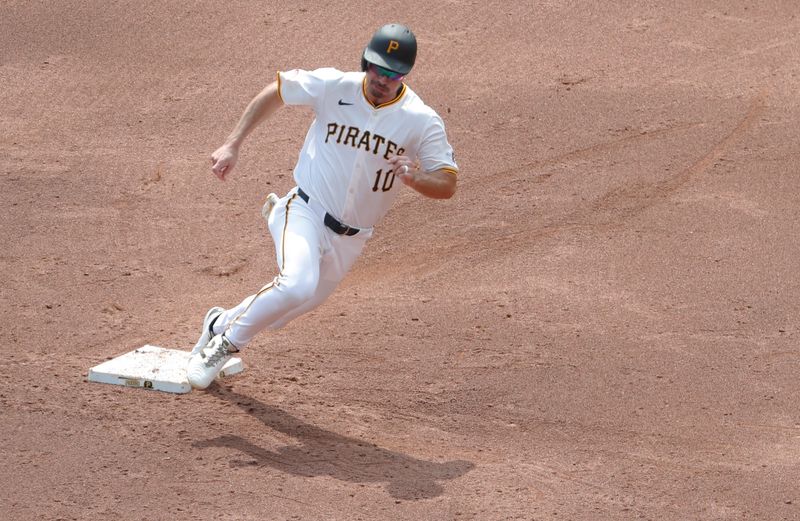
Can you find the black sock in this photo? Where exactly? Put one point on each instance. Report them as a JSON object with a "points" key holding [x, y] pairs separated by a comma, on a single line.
{"points": [[211, 325]]}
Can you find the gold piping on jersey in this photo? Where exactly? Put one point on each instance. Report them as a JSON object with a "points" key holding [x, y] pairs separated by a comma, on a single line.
{"points": [[449, 170], [382, 105], [279, 88], [283, 234]]}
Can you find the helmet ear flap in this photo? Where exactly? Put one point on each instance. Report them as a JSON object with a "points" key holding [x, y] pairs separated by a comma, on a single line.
{"points": [[363, 64]]}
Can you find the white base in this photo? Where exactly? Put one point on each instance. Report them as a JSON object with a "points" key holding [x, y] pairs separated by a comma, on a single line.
{"points": [[153, 367]]}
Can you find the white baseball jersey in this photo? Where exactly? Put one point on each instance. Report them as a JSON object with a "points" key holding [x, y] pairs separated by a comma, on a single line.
{"points": [[343, 163]]}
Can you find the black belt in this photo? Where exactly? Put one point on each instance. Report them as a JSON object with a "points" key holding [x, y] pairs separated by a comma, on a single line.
{"points": [[331, 221]]}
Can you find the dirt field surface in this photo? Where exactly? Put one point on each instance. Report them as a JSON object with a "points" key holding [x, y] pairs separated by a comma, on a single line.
{"points": [[602, 324]]}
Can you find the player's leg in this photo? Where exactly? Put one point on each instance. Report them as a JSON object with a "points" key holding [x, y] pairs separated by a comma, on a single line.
{"points": [[324, 290], [297, 232], [341, 253], [297, 235]]}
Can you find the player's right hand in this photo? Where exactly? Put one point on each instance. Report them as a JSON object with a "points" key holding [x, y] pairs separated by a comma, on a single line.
{"points": [[223, 160]]}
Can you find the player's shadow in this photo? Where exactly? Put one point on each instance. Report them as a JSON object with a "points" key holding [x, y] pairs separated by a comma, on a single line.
{"points": [[325, 453]]}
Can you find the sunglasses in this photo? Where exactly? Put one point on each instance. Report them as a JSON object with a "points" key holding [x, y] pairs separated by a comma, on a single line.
{"points": [[380, 71]]}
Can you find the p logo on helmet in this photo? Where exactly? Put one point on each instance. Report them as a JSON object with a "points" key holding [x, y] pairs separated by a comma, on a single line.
{"points": [[393, 46]]}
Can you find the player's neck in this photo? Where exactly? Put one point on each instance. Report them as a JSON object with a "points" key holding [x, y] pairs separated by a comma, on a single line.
{"points": [[385, 99]]}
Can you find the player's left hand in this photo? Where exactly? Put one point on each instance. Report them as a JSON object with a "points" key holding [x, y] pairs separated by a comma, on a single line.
{"points": [[404, 168]]}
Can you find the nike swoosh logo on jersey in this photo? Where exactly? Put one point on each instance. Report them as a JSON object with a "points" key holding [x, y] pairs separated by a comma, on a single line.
{"points": [[344, 103]]}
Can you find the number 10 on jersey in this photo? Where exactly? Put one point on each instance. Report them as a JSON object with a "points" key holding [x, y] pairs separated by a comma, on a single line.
{"points": [[388, 180]]}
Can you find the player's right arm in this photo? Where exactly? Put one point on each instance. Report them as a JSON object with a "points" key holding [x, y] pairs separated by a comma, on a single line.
{"points": [[260, 108]]}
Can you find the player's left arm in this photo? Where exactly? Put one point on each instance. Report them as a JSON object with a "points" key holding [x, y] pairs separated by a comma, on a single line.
{"points": [[437, 184], [433, 172]]}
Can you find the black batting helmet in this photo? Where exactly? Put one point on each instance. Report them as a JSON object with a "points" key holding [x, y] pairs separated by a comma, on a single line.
{"points": [[392, 47]]}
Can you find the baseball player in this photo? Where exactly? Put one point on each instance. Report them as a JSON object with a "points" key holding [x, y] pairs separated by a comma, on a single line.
{"points": [[371, 136]]}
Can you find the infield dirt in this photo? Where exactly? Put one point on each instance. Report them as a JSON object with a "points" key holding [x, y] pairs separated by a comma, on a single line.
{"points": [[601, 325]]}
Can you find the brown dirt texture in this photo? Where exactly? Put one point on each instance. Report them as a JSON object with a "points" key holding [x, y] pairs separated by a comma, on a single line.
{"points": [[602, 324]]}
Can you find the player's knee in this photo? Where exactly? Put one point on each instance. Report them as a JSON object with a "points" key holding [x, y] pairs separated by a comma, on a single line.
{"points": [[299, 288]]}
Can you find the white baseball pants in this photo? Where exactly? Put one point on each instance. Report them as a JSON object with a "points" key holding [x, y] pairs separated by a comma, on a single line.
{"points": [[312, 260]]}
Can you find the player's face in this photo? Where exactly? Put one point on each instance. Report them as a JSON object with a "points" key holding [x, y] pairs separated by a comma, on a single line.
{"points": [[382, 84]]}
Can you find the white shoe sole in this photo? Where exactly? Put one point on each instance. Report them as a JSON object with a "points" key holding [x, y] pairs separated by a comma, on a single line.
{"points": [[205, 365]]}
